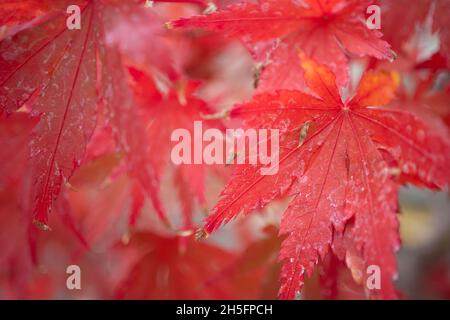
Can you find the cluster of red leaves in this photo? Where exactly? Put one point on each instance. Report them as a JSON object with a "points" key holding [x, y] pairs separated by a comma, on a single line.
{"points": [[86, 118]]}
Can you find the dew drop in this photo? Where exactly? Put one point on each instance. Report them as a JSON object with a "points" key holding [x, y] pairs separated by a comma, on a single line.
{"points": [[265, 7], [421, 135]]}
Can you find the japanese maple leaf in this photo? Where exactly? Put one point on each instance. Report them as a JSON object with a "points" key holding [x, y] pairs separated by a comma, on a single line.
{"points": [[16, 11], [55, 72], [422, 93], [186, 266], [429, 102], [400, 19], [339, 161], [277, 29], [334, 282], [19, 252], [159, 115], [15, 134], [259, 260]]}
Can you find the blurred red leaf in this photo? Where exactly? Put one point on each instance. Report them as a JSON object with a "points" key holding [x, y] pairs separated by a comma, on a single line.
{"points": [[174, 268], [276, 31], [58, 72]]}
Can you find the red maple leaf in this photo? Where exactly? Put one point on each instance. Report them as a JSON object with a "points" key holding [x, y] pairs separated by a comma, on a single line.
{"points": [[277, 29], [400, 20], [18, 11], [62, 74], [332, 281], [340, 160], [185, 264], [157, 116]]}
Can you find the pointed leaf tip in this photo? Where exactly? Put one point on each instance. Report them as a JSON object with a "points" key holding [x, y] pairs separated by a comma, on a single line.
{"points": [[393, 56], [201, 234], [168, 25], [41, 225], [210, 8]]}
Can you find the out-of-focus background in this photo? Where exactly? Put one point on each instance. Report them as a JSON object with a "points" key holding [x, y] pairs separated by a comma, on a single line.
{"points": [[102, 222]]}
